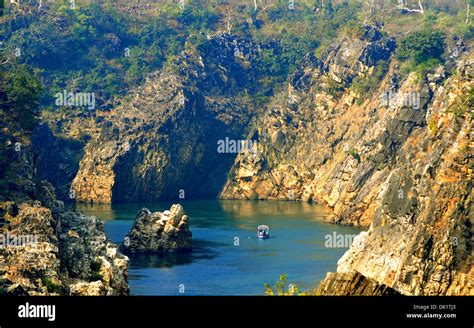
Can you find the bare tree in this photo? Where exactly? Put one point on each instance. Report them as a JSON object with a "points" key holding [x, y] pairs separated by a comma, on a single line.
{"points": [[467, 12], [402, 4], [264, 5], [228, 17], [25, 8]]}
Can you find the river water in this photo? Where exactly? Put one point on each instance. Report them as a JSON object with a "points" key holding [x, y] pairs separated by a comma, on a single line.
{"points": [[227, 257]]}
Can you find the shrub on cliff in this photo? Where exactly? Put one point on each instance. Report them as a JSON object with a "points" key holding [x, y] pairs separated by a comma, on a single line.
{"points": [[281, 288], [421, 50], [366, 85], [463, 104], [19, 94], [51, 286]]}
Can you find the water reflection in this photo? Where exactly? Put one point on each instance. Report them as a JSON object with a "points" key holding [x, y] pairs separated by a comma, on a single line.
{"points": [[252, 209], [236, 209], [103, 211], [202, 250]]}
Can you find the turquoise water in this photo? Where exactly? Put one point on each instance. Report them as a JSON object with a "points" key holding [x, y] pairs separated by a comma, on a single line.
{"points": [[227, 257]]}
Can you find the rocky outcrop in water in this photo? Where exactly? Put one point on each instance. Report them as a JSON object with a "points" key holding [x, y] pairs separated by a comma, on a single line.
{"points": [[159, 232]]}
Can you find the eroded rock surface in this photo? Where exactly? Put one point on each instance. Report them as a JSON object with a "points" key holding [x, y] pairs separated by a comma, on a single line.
{"points": [[159, 232], [163, 139], [45, 248], [317, 144], [61, 253], [420, 241], [401, 165]]}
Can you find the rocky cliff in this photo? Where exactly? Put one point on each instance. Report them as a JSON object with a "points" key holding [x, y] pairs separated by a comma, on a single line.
{"points": [[397, 159], [381, 147], [162, 142], [45, 249], [70, 254], [322, 141], [420, 240]]}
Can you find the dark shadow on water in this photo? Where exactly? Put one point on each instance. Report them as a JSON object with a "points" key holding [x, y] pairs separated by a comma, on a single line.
{"points": [[202, 250]]}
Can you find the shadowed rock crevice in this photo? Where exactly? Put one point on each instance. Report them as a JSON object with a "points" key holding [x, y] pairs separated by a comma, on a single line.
{"points": [[164, 138]]}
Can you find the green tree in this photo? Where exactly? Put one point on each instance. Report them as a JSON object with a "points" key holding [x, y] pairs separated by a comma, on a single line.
{"points": [[421, 50], [21, 91]]}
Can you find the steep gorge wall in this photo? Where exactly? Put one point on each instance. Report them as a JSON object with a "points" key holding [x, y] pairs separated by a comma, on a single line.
{"points": [[47, 249], [422, 244], [335, 148], [404, 169], [317, 144], [162, 142]]}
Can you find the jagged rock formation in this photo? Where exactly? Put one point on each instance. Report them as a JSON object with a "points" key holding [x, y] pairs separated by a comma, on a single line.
{"points": [[335, 148], [163, 140], [46, 249], [94, 265], [315, 144], [159, 232], [352, 284], [65, 253], [421, 243], [404, 168]]}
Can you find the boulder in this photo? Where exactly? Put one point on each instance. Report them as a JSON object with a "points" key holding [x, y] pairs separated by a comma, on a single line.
{"points": [[60, 254], [159, 232]]}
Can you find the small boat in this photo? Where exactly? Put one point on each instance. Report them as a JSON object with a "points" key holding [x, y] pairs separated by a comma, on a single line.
{"points": [[263, 232]]}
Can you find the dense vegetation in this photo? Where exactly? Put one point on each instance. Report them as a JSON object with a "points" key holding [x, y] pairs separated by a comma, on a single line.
{"points": [[107, 49], [19, 95], [99, 50], [421, 50]]}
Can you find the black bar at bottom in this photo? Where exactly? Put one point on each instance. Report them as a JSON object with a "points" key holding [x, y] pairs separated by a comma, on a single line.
{"points": [[135, 311]]}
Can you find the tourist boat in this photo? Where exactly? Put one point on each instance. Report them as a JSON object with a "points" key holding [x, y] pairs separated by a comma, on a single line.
{"points": [[263, 232]]}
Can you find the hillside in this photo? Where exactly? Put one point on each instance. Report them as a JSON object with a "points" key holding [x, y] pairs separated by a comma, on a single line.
{"points": [[363, 107]]}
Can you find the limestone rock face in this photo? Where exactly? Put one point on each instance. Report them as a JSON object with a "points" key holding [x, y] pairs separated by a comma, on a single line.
{"points": [[336, 147], [352, 284], [163, 139], [315, 144], [401, 165], [46, 249], [58, 253], [89, 258], [159, 232], [421, 237]]}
